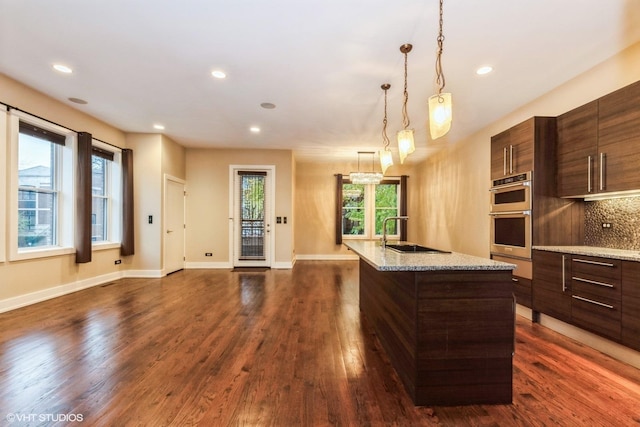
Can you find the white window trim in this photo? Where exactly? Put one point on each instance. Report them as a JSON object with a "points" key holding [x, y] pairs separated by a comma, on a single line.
{"points": [[370, 215], [66, 212], [3, 182], [114, 188]]}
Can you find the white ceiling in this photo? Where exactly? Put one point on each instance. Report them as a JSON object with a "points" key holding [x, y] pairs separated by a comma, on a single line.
{"points": [[140, 62]]}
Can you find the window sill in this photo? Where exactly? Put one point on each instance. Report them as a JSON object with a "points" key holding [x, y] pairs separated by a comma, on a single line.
{"points": [[41, 253], [102, 246]]}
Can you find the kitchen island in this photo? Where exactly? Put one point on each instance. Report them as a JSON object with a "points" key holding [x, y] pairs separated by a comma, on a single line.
{"points": [[445, 320]]}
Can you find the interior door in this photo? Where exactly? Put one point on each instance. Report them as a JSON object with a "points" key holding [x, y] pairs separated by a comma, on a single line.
{"points": [[252, 225], [174, 225]]}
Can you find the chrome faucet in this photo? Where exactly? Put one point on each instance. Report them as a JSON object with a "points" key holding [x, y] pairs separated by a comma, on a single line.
{"points": [[383, 242]]}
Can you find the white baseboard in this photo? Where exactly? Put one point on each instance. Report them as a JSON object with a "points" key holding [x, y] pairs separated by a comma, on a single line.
{"points": [[218, 265], [145, 274], [326, 257], [13, 303]]}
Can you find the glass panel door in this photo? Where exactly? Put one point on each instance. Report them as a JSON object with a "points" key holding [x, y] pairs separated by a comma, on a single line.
{"points": [[252, 215]]}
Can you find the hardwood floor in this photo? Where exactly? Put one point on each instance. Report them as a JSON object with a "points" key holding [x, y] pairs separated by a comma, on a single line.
{"points": [[275, 348]]}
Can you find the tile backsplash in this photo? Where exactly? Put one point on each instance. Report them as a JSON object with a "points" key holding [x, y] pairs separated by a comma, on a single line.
{"points": [[624, 217]]}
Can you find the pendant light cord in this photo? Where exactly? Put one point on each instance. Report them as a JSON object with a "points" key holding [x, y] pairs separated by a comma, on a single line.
{"points": [[385, 138], [405, 116], [439, 74]]}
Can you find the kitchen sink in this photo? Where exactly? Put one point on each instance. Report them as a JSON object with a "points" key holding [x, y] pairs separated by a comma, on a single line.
{"points": [[414, 248]]}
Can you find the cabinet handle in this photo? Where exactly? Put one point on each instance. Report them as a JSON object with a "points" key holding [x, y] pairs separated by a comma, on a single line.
{"points": [[510, 158], [588, 174], [601, 304], [504, 161], [513, 279], [603, 159], [564, 285], [593, 282], [586, 261]]}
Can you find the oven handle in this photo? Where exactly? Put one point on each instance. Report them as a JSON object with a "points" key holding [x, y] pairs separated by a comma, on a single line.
{"points": [[515, 184], [527, 212]]}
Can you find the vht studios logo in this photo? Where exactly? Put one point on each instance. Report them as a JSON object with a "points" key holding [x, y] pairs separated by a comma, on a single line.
{"points": [[23, 418]]}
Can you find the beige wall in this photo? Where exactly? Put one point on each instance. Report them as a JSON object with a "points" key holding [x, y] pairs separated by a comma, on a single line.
{"points": [[453, 201], [208, 202], [315, 207], [41, 277]]}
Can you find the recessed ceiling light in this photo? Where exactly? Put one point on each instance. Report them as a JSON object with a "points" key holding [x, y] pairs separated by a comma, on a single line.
{"points": [[484, 70], [78, 101], [62, 68], [268, 105], [218, 74], [254, 129], [158, 127]]}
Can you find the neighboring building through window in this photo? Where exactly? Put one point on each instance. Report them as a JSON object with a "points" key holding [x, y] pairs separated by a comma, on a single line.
{"points": [[105, 193], [38, 191], [364, 208]]}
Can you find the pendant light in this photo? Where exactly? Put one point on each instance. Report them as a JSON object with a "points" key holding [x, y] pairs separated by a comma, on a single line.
{"points": [[386, 159], [440, 107], [406, 145], [365, 177]]}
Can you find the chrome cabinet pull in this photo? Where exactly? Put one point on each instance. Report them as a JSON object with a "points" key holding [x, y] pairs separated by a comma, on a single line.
{"points": [[510, 158], [601, 304], [586, 261], [593, 282], [603, 158], [564, 282], [588, 174], [504, 158], [513, 279]]}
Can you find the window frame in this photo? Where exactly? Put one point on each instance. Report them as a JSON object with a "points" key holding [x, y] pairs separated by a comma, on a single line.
{"points": [[64, 212], [3, 182], [370, 210], [113, 189]]}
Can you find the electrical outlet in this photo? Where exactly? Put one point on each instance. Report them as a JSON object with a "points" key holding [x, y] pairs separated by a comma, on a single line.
{"points": [[208, 254], [118, 261], [606, 225]]}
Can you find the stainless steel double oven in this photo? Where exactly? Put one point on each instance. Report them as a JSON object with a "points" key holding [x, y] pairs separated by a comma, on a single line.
{"points": [[511, 216]]}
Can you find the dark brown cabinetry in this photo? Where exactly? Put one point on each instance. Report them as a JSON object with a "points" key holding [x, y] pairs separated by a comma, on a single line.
{"points": [[596, 294], [599, 145], [631, 304], [577, 150], [552, 284], [619, 140], [512, 150]]}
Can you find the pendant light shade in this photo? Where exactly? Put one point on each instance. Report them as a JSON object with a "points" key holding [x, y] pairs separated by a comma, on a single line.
{"points": [[360, 177], [386, 159], [406, 145], [440, 106], [440, 114]]}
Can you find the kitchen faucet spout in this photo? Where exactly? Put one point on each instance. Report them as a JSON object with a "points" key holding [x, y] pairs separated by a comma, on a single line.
{"points": [[384, 228]]}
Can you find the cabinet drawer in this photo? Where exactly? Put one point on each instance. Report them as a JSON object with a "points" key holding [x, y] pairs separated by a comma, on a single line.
{"points": [[603, 268], [597, 315], [595, 286], [522, 290]]}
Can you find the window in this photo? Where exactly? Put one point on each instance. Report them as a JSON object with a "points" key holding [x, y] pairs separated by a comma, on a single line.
{"points": [[3, 177], [105, 190], [364, 208], [41, 197]]}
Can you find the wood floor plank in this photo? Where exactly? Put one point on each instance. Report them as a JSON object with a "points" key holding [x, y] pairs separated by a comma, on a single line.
{"points": [[274, 348]]}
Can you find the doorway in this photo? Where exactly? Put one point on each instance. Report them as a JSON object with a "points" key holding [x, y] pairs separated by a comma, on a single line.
{"points": [[252, 194], [174, 224]]}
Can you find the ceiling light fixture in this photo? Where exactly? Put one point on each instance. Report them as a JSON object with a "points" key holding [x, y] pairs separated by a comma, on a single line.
{"points": [[484, 70], [62, 68], [254, 129], [268, 105], [78, 100], [440, 108], [406, 145], [218, 74], [158, 127], [386, 159], [365, 177]]}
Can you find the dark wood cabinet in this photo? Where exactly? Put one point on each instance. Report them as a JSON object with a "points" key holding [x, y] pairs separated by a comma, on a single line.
{"points": [[596, 294], [619, 140], [631, 304], [551, 290], [577, 150], [599, 145], [512, 150]]}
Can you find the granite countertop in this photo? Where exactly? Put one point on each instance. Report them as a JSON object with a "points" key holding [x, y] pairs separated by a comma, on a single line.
{"points": [[622, 254], [390, 260]]}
